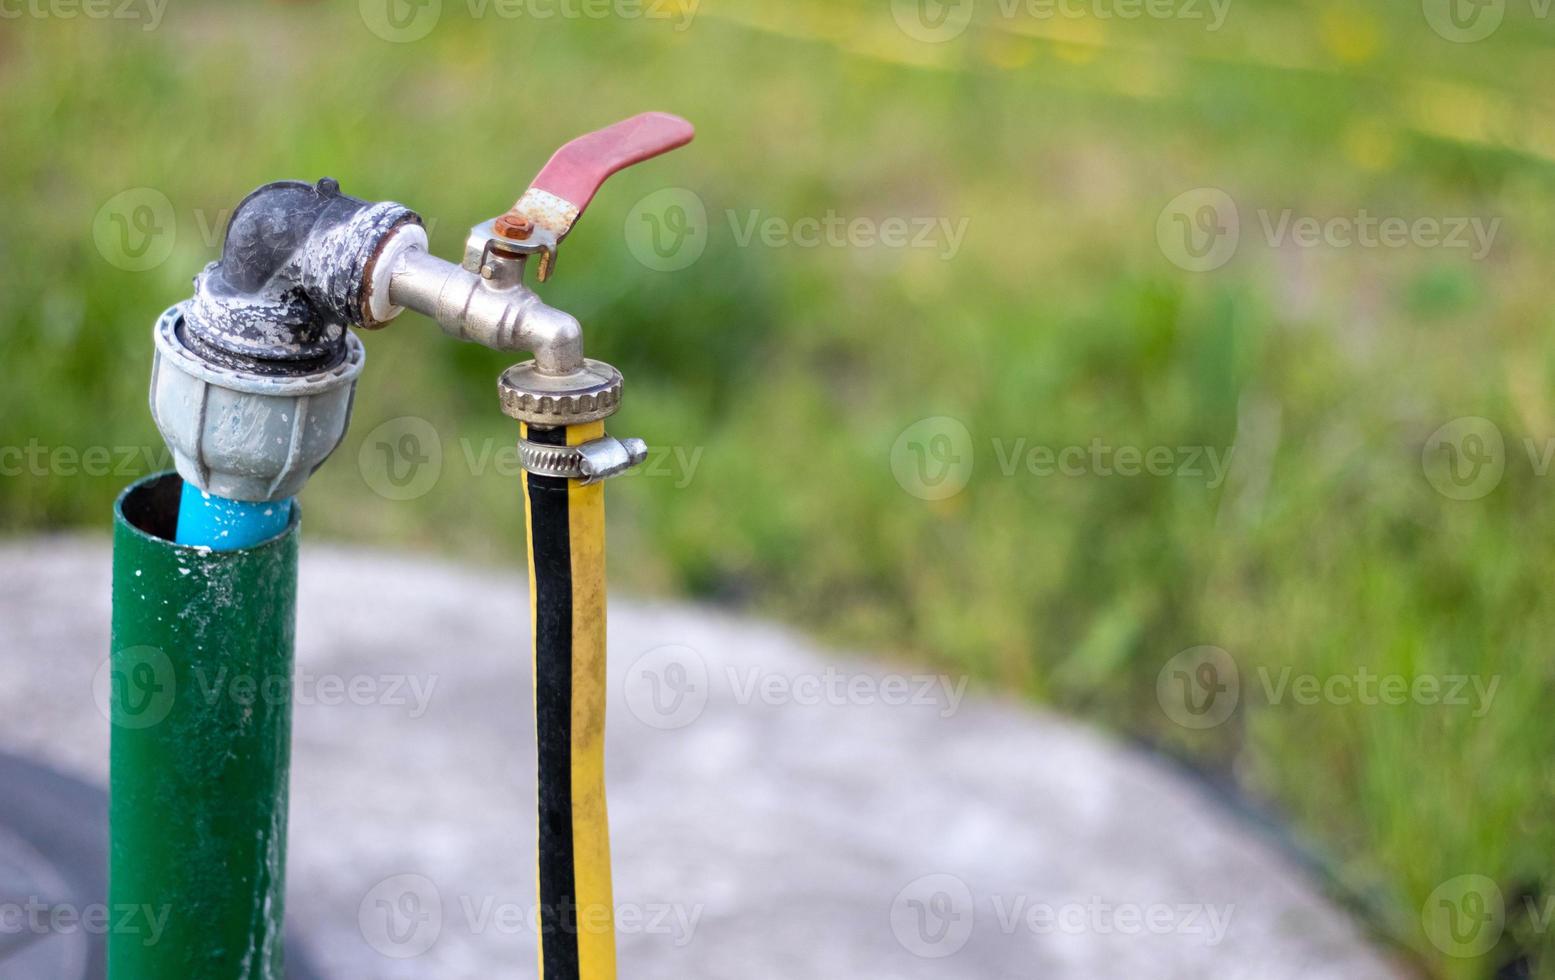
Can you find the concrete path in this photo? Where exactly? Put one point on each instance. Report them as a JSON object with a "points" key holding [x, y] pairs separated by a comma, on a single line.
{"points": [[778, 810]]}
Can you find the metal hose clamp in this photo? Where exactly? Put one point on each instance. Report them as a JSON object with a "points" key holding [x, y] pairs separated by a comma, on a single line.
{"points": [[593, 461]]}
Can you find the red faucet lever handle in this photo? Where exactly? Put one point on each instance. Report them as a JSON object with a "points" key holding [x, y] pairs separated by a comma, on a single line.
{"points": [[567, 183], [575, 171]]}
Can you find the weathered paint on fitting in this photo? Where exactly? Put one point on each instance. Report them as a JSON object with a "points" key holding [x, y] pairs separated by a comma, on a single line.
{"points": [[291, 277], [241, 435]]}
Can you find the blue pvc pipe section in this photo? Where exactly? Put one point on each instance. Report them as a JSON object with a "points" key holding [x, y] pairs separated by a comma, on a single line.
{"points": [[227, 525]]}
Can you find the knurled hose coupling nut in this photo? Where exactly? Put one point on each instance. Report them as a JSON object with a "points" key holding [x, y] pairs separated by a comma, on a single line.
{"points": [[240, 434], [548, 400]]}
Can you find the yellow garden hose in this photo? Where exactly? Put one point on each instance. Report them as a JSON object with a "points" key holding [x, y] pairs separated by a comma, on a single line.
{"points": [[566, 532], [561, 400]]}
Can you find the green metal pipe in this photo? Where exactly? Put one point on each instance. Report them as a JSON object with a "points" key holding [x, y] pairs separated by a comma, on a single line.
{"points": [[201, 744]]}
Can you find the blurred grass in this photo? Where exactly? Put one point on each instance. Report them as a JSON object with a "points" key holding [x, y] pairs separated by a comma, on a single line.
{"points": [[791, 371]]}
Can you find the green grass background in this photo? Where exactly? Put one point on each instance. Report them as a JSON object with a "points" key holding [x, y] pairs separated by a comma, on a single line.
{"points": [[792, 370]]}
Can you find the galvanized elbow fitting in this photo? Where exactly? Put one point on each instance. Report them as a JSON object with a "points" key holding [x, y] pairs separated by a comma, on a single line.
{"points": [[253, 377], [292, 277]]}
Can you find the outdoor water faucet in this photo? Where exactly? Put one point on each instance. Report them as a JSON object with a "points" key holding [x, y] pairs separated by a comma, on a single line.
{"points": [[484, 298], [252, 388], [253, 379]]}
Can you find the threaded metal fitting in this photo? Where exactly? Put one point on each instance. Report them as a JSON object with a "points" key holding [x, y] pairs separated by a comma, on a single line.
{"points": [[532, 396], [243, 435]]}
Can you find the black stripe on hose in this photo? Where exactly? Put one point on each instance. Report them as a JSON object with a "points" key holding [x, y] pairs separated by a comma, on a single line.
{"points": [[553, 714]]}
